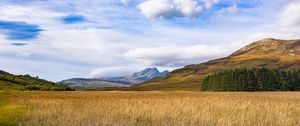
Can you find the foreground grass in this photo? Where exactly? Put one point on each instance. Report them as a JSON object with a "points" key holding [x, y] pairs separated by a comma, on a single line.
{"points": [[158, 108], [10, 112]]}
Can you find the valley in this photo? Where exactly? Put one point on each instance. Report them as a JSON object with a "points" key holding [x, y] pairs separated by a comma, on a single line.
{"points": [[150, 97], [149, 63]]}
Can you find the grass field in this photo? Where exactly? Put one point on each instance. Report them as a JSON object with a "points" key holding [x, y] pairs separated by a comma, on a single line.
{"points": [[150, 108]]}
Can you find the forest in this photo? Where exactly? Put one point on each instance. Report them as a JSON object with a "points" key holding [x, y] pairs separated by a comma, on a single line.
{"points": [[255, 79]]}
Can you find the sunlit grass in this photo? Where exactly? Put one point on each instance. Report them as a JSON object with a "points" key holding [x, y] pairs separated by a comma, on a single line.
{"points": [[159, 108]]}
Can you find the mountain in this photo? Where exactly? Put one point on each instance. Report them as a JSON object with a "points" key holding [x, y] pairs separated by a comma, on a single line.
{"points": [[93, 83], [141, 76], [270, 53], [26, 82], [124, 81]]}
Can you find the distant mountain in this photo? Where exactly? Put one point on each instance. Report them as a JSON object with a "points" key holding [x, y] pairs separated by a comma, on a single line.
{"points": [[270, 53], [124, 81], [93, 83], [141, 76], [27, 82]]}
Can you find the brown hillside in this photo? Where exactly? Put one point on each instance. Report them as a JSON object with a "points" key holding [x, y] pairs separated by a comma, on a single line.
{"points": [[271, 53]]}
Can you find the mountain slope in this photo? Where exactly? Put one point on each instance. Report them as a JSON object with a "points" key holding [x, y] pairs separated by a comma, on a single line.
{"points": [[3, 72], [141, 76], [124, 81], [271, 53], [92, 83], [26, 82]]}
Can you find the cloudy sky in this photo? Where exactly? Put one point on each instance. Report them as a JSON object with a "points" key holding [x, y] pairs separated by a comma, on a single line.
{"points": [[60, 39]]}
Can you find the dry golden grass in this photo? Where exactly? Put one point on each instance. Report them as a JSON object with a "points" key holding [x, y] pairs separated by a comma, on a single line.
{"points": [[159, 108]]}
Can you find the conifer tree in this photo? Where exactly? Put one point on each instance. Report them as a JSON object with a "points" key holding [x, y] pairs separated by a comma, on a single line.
{"points": [[262, 79]]}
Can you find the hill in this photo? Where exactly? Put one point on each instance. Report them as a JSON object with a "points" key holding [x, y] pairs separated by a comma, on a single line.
{"points": [[26, 82], [269, 53], [3, 72], [114, 82]]}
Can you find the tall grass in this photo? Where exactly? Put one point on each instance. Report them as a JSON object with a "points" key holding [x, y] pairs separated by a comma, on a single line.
{"points": [[159, 108], [10, 112]]}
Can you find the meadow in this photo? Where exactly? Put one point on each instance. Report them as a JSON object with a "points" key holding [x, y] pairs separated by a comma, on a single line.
{"points": [[119, 108]]}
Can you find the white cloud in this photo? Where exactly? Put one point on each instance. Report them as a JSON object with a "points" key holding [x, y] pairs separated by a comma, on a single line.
{"points": [[232, 9], [156, 8], [291, 15], [87, 46], [30, 14], [188, 7], [174, 8], [175, 56], [115, 71], [210, 3]]}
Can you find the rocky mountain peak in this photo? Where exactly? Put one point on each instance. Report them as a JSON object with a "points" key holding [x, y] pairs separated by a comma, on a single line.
{"points": [[149, 70], [147, 74]]}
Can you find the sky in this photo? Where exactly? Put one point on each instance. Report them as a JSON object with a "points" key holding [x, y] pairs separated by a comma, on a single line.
{"points": [[61, 39]]}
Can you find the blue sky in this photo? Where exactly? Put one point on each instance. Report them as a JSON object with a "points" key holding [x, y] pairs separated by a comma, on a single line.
{"points": [[99, 38], [73, 19], [19, 30]]}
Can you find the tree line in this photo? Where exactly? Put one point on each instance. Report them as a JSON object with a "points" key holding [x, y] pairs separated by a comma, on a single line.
{"points": [[255, 79]]}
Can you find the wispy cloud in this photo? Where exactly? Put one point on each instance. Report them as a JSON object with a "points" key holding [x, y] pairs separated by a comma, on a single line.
{"points": [[290, 16], [175, 56]]}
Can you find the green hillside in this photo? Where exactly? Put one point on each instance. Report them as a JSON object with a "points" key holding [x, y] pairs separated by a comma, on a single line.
{"points": [[4, 85], [26, 82], [269, 53]]}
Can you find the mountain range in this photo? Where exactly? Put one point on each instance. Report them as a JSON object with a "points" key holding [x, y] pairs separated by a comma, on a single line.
{"points": [[123, 81], [269, 53]]}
